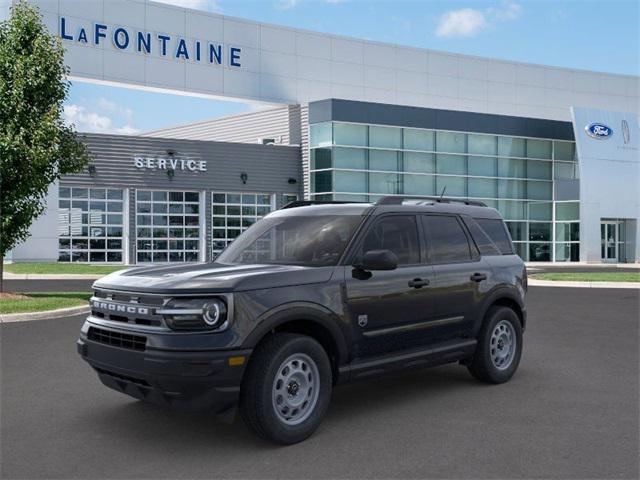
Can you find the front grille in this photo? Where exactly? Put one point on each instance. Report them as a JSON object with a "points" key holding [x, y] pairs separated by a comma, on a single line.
{"points": [[117, 339], [127, 308]]}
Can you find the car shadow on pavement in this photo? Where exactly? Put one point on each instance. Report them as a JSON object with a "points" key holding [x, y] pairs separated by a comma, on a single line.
{"points": [[137, 421]]}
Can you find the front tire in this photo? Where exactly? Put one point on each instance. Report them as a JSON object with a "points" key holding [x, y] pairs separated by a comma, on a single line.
{"points": [[286, 389], [499, 346]]}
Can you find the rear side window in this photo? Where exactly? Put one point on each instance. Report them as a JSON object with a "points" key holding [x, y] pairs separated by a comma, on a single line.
{"points": [[446, 239], [497, 232], [482, 240], [398, 234]]}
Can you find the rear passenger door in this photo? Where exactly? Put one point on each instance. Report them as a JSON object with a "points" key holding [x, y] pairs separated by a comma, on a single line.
{"points": [[460, 274]]}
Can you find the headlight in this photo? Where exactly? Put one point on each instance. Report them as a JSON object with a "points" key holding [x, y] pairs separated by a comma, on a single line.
{"points": [[195, 314]]}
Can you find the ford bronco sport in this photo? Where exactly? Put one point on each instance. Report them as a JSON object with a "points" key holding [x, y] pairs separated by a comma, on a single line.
{"points": [[311, 296]]}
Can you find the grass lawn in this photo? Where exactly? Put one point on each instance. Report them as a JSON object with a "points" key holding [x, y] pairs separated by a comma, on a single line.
{"points": [[589, 276], [53, 268], [39, 302]]}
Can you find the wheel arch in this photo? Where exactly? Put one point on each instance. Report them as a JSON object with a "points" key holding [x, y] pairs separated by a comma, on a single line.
{"points": [[502, 297], [313, 320]]}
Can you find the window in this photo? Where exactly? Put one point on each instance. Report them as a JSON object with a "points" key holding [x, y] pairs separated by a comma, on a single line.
{"points": [[418, 139], [398, 234], [482, 240], [233, 213], [385, 137], [446, 239], [167, 226], [90, 225], [352, 135], [497, 232], [314, 241], [288, 198]]}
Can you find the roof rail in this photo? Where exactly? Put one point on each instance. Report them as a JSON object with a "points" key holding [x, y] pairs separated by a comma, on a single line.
{"points": [[395, 200], [306, 203]]}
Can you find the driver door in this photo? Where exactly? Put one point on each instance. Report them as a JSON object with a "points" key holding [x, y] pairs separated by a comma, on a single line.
{"points": [[386, 311]]}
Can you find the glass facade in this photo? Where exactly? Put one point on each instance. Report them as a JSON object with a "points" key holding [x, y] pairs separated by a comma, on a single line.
{"points": [[233, 213], [359, 162], [90, 225], [167, 226]]}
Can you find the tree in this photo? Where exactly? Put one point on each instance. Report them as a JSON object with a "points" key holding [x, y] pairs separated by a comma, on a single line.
{"points": [[36, 147]]}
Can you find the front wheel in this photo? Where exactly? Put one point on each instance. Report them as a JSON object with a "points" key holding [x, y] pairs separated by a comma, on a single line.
{"points": [[499, 346], [286, 389]]}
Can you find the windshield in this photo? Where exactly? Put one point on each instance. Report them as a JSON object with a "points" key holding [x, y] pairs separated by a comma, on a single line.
{"points": [[315, 241]]}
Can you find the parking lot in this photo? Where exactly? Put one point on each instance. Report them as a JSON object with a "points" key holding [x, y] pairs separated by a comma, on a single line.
{"points": [[571, 411]]}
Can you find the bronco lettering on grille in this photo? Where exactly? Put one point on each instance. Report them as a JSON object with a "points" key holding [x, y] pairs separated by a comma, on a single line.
{"points": [[117, 307]]}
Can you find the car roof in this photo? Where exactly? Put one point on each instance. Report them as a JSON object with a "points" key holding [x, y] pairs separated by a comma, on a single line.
{"points": [[304, 208]]}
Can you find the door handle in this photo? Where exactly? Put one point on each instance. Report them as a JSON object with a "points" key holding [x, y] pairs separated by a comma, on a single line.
{"points": [[418, 283], [478, 277]]}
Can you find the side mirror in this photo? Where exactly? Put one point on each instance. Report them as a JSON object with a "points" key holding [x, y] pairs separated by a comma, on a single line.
{"points": [[378, 260]]}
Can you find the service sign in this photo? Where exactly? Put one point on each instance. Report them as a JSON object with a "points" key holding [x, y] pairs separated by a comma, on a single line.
{"points": [[171, 163]]}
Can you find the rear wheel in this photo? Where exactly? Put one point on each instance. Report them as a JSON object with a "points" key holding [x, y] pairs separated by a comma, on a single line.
{"points": [[499, 346], [286, 389]]}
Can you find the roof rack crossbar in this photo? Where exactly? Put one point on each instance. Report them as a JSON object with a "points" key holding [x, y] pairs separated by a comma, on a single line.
{"points": [[395, 200], [306, 203]]}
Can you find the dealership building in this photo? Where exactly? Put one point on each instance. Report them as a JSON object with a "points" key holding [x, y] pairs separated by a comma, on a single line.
{"points": [[555, 150]]}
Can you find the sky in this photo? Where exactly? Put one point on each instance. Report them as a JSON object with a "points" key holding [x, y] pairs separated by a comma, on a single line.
{"points": [[600, 35]]}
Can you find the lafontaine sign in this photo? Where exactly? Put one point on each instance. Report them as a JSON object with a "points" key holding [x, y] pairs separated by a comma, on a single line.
{"points": [[162, 45]]}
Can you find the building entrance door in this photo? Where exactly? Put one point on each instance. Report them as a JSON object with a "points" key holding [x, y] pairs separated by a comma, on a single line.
{"points": [[609, 232]]}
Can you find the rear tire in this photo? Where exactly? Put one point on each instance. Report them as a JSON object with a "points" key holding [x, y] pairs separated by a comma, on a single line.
{"points": [[499, 346], [286, 388]]}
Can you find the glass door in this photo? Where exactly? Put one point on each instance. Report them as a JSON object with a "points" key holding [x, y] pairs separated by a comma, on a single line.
{"points": [[609, 241]]}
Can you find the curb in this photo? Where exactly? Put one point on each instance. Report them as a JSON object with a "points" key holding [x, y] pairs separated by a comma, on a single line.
{"points": [[51, 276], [553, 283], [49, 314]]}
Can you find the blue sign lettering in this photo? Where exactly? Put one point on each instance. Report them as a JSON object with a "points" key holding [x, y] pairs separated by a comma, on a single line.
{"points": [[182, 50], [99, 33], [121, 38], [234, 61], [82, 36], [63, 30], [124, 38], [144, 40]]}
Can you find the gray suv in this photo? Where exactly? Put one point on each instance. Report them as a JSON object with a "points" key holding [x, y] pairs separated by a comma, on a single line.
{"points": [[314, 295]]}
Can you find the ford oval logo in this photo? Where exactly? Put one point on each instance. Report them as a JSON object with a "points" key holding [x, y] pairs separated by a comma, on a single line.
{"points": [[599, 131]]}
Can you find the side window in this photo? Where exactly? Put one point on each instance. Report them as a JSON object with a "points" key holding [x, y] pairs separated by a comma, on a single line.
{"points": [[398, 234], [484, 243], [497, 232], [446, 239]]}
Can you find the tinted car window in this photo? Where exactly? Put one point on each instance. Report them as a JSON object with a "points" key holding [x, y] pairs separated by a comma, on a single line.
{"points": [[482, 240], [497, 232], [398, 234], [446, 239], [314, 241]]}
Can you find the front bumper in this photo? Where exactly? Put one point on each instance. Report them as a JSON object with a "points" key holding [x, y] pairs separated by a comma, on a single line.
{"points": [[191, 379]]}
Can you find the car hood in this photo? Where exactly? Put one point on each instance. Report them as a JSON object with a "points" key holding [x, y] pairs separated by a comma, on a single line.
{"points": [[211, 278]]}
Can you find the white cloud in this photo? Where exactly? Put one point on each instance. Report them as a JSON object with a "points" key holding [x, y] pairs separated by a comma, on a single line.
{"points": [[86, 120], [208, 5], [286, 4], [467, 22]]}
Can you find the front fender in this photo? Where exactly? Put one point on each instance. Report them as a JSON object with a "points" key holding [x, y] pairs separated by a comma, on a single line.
{"points": [[308, 311]]}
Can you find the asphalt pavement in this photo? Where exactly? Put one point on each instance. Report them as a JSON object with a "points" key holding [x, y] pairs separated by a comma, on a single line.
{"points": [[571, 411]]}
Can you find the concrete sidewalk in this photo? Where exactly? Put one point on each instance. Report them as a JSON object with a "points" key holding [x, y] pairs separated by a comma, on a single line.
{"points": [[52, 276], [557, 283]]}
